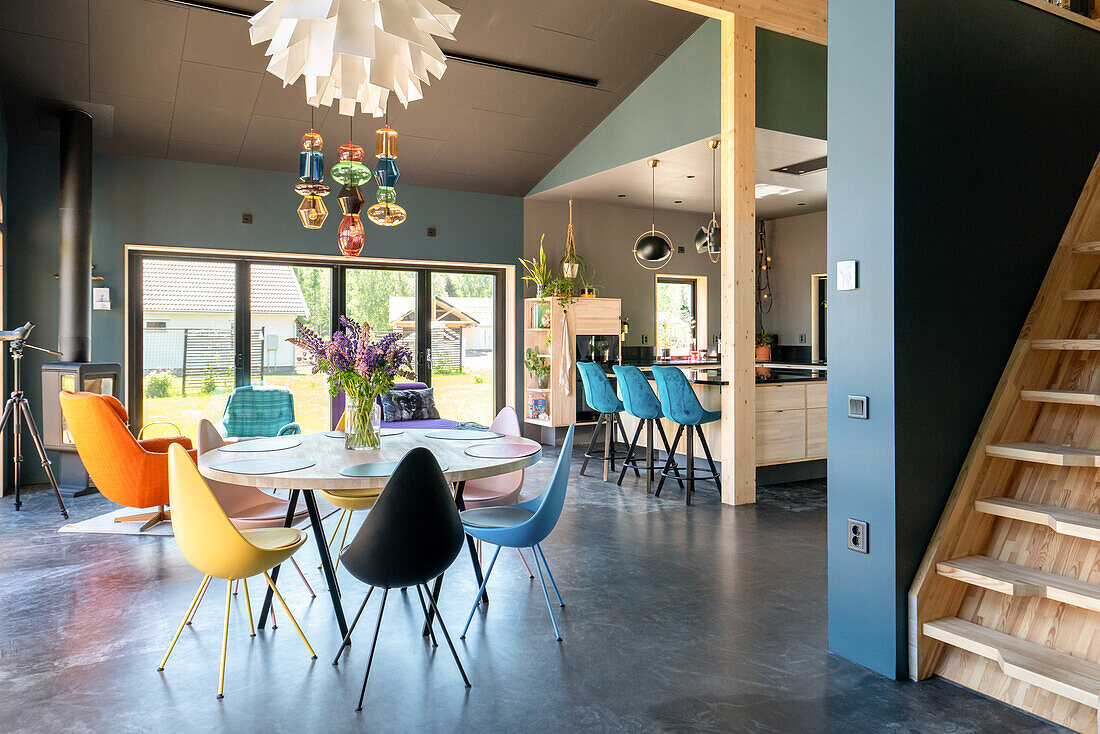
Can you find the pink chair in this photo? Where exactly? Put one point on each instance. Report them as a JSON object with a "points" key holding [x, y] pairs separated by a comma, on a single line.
{"points": [[247, 507], [503, 489]]}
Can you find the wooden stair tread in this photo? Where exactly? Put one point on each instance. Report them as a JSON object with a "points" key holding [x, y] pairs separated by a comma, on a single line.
{"points": [[1065, 522], [1066, 345], [1087, 248], [1065, 675], [1069, 397], [1020, 581], [1082, 295], [1042, 453]]}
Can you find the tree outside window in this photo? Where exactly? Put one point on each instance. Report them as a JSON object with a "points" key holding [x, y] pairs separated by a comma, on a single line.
{"points": [[676, 329]]}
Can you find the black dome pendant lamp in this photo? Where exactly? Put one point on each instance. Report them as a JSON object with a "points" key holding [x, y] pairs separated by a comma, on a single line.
{"points": [[653, 249], [709, 237]]}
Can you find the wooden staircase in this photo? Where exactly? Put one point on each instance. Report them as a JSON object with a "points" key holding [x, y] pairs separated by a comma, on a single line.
{"points": [[1007, 599]]}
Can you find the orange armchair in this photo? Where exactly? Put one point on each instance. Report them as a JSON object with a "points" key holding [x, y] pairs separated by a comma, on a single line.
{"points": [[127, 471]]}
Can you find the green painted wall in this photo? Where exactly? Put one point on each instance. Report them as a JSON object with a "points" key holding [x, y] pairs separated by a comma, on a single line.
{"points": [[680, 102], [157, 202]]}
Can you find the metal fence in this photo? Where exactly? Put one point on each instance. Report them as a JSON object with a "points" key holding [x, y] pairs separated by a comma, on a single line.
{"points": [[204, 359]]}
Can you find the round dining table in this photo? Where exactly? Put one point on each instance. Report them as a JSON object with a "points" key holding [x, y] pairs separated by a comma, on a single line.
{"points": [[307, 462]]}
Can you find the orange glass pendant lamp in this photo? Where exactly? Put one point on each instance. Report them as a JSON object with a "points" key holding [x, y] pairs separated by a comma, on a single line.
{"points": [[351, 235], [386, 213]]}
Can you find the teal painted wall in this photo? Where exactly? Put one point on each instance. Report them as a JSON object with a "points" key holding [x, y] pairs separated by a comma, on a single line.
{"points": [[680, 102], [157, 202]]}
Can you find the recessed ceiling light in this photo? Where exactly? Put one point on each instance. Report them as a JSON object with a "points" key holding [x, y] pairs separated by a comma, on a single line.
{"points": [[763, 189], [691, 176], [802, 203], [622, 196], [678, 201]]}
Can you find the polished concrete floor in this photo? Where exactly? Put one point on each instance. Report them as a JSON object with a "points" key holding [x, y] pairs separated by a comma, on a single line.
{"points": [[707, 618]]}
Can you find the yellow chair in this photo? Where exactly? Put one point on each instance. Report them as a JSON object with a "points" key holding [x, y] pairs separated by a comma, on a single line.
{"points": [[213, 545], [348, 501]]}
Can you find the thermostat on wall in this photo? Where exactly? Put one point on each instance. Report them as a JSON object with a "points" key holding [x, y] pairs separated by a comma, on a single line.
{"points": [[101, 299], [846, 275]]}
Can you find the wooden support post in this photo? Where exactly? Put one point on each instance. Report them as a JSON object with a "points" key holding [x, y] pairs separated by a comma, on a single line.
{"points": [[738, 259]]}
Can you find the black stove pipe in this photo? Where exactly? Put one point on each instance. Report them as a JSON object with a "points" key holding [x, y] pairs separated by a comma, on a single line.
{"points": [[74, 332]]}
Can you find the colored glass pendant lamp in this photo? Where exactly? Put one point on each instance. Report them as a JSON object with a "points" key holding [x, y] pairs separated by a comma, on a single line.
{"points": [[311, 172], [386, 213]]}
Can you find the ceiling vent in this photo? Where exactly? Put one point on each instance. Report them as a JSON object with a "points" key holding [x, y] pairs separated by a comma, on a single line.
{"points": [[801, 169]]}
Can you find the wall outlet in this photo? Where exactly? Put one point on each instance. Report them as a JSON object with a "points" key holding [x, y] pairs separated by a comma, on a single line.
{"points": [[645, 339], [431, 231], [857, 536], [801, 338], [246, 218]]}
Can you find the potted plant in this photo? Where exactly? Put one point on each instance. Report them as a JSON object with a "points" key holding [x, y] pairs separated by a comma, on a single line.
{"points": [[764, 344], [363, 368], [588, 288], [562, 289], [572, 264], [537, 271], [537, 367]]}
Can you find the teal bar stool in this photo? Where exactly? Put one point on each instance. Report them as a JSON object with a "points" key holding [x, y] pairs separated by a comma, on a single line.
{"points": [[601, 398], [681, 405], [640, 401]]}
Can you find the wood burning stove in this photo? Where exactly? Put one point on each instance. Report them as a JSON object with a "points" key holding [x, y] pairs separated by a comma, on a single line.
{"points": [[103, 378]]}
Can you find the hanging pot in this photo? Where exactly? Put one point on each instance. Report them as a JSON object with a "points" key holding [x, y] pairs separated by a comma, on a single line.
{"points": [[570, 270]]}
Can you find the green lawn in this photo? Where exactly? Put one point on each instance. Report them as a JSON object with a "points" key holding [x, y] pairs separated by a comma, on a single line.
{"points": [[458, 397]]}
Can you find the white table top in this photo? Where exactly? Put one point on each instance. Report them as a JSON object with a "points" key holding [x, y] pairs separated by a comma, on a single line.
{"points": [[330, 457]]}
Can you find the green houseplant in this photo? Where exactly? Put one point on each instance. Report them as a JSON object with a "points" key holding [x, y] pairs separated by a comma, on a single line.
{"points": [[537, 271], [537, 367], [764, 344]]}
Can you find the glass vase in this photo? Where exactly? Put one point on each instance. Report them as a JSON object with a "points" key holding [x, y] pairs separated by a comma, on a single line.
{"points": [[362, 424]]}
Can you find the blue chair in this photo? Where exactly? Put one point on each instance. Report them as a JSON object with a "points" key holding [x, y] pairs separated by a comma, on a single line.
{"points": [[640, 401], [259, 411], [681, 405], [524, 525], [601, 398]]}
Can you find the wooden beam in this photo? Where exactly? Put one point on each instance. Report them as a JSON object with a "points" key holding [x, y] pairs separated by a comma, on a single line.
{"points": [[738, 286], [808, 19]]}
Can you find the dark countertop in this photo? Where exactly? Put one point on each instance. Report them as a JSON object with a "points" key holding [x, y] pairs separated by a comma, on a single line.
{"points": [[709, 373]]}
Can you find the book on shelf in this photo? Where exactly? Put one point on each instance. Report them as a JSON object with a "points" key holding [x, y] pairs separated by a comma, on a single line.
{"points": [[537, 407]]}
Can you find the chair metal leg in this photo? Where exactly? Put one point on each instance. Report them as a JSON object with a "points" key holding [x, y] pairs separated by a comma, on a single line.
{"points": [[304, 581], [373, 645], [347, 638], [186, 617], [293, 621], [529, 574], [649, 451], [710, 461], [608, 445], [248, 607], [225, 637], [236, 586], [630, 453], [626, 442], [447, 637], [690, 464], [674, 466], [546, 594], [669, 462], [477, 599], [335, 530], [195, 606], [553, 583], [591, 444], [424, 608]]}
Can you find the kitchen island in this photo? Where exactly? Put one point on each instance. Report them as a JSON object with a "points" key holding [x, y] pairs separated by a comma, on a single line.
{"points": [[790, 411]]}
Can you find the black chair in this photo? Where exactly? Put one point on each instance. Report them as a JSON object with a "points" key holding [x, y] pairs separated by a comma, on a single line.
{"points": [[412, 535]]}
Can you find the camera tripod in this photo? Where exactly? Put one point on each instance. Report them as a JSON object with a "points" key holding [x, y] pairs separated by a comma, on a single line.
{"points": [[18, 408]]}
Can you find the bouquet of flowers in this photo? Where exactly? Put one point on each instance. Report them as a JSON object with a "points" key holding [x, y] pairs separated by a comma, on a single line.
{"points": [[364, 368]]}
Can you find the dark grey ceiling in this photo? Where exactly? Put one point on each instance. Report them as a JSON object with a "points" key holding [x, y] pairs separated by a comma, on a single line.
{"points": [[185, 84]]}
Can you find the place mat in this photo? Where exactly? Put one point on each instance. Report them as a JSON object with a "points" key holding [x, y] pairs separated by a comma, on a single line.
{"points": [[375, 469], [460, 435], [276, 443], [266, 465], [501, 450], [381, 432]]}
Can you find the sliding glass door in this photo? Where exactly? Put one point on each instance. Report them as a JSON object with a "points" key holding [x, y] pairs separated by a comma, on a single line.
{"points": [[201, 326]]}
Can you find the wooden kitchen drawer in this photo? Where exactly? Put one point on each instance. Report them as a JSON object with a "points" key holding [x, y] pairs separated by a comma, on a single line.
{"points": [[780, 397], [817, 444], [780, 436], [816, 394], [596, 316]]}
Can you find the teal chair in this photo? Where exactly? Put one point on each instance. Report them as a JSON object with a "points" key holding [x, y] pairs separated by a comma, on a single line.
{"points": [[681, 405], [601, 398], [259, 411], [524, 525], [640, 402]]}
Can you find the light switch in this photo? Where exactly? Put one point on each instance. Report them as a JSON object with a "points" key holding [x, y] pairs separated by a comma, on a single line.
{"points": [[846, 275]]}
